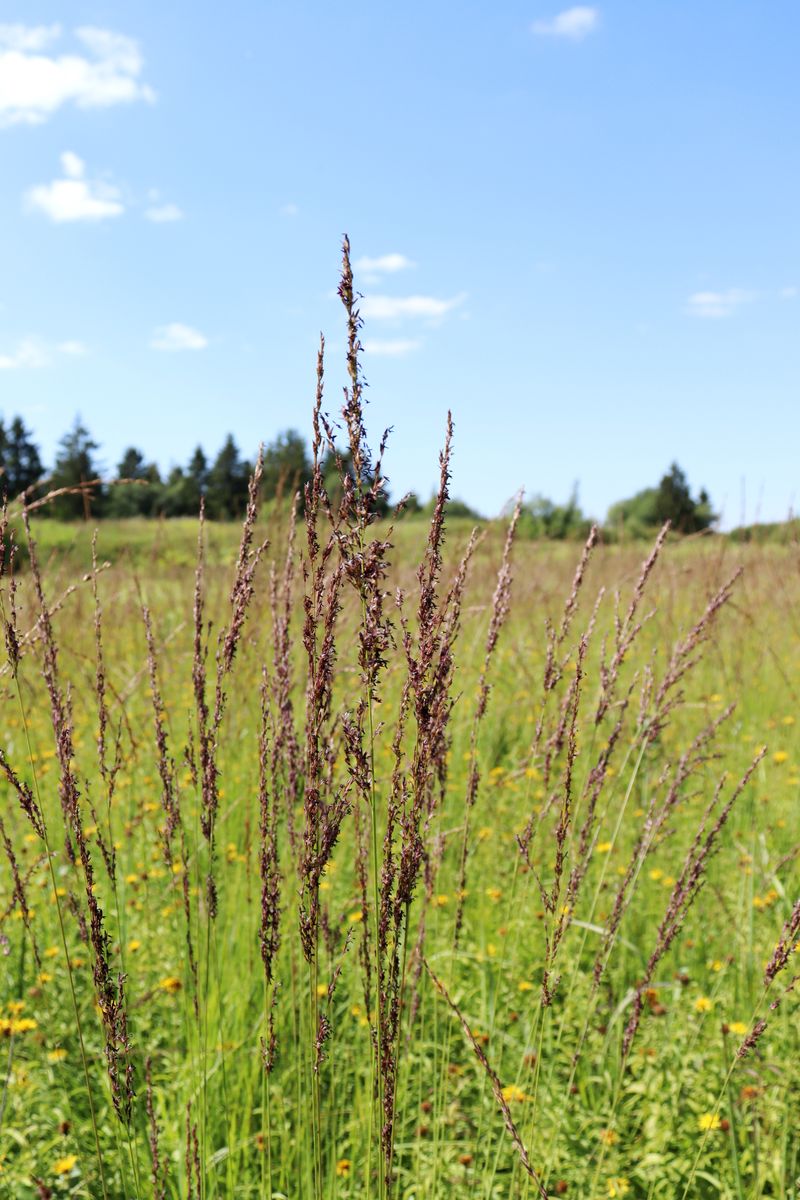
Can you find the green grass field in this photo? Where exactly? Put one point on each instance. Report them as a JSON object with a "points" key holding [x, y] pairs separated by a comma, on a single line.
{"points": [[551, 959]]}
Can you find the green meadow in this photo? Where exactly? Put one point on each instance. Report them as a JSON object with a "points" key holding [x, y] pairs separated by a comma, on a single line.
{"points": [[544, 887]]}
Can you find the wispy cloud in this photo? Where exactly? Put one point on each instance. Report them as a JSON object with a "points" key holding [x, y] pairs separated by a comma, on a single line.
{"points": [[73, 349], [24, 38], [162, 214], [34, 84], [384, 264], [718, 304], [574, 23], [393, 308], [32, 353], [75, 198], [289, 210], [391, 347], [178, 337], [788, 293]]}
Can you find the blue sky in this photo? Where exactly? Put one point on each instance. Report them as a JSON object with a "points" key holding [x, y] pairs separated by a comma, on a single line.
{"points": [[582, 224]]}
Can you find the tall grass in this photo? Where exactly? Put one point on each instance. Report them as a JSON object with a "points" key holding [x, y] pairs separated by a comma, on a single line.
{"points": [[366, 879]]}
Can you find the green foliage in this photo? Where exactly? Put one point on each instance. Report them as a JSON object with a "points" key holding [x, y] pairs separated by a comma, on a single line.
{"points": [[140, 499], [287, 466], [455, 509], [541, 518], [76, 466], [336, 465], [226, 488], [20, 463], [671, 501]]}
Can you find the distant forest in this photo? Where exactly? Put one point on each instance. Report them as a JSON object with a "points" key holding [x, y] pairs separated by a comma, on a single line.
{"points": [[221, 484]]}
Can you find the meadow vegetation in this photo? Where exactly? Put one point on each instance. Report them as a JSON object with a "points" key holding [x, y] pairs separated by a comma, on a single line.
{"points": [[364, 859]]}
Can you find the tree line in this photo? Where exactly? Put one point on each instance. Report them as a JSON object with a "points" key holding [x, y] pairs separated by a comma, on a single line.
{"points": [[221, 484]]}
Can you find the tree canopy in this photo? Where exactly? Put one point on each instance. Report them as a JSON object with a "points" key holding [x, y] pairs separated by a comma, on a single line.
{"points": [[670, 501]]}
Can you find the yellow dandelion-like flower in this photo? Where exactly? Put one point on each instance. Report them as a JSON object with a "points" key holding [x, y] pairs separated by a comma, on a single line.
{"points": [[343, 1168], [355, 917], [45, 977], [441, 900], [514, 1094], [23, 1024], [609, 1137], [134, 945], [708, 1121], [171, 984], [738, 1027], [603, 847], [15, 1006], [494, 893], [779, 757], [703, 1005], [63, 1166], [656, 874], [51, 952], [322, 989], [618, 1186], [525, 985], [57, 1055]]}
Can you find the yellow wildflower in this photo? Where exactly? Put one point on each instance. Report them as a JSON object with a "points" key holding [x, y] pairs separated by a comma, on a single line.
{"points": [[63, 1166], [708, 1121], [703, 1005]]}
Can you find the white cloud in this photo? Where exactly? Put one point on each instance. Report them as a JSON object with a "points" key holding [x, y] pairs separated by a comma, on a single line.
{"points": [[574, 23], [385, 264], [392, 308], [788, 293], [75, 198], [34, 353], [718, 304], [289, 210], [72, 166], [34, 84], [393, 347], [160, 214], [178, 337], [28, 37]]}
